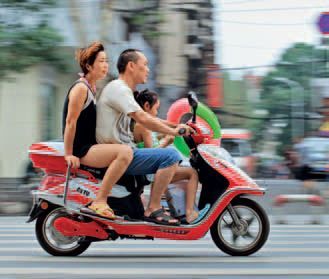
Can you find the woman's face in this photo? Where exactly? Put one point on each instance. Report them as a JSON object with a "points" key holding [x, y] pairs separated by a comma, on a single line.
{"points": [[101, 66], [154, 109]]}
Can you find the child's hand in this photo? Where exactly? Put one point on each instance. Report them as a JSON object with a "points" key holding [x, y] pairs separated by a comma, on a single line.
{"points": [[166, 140], [169, 139]]}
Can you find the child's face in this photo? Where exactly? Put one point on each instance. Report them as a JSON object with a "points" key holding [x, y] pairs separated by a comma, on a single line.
{"points": [[153, 110]]}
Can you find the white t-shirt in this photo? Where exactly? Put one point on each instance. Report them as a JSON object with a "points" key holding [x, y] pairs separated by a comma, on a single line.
{"points": [[113, 123]]}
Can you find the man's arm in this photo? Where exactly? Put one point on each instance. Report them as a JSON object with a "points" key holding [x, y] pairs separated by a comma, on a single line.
{"points": [[156, 125], [152, 123], [172, 125]]}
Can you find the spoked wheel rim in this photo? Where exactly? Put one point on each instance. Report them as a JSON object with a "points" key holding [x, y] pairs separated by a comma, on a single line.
{"points": [[247, 235], [53, 237]]}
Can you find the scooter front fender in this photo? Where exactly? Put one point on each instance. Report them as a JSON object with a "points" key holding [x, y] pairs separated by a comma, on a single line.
{"points": [[247, 190], [220, 205]]}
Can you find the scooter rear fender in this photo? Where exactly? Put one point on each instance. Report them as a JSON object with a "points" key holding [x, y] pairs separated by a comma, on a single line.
{"points": [[39, 208], [42, 203]]}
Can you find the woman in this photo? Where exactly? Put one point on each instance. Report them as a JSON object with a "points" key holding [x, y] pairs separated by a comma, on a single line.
{"points": [[150, 103], [79, 127]]}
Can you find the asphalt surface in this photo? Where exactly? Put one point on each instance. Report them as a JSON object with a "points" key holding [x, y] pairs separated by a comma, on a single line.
{"points": [[296, 250]]}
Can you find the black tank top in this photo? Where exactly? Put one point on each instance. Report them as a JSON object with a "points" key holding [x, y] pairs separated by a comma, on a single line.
{"points": [[85, 134]]}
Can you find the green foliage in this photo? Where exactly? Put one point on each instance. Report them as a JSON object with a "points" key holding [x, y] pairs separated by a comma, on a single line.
{"points": [[147, 19], [26, 39], [27, 5], [299, 64]]}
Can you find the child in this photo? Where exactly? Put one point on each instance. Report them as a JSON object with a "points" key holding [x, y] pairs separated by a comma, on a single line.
{"points": [[150, 103]]}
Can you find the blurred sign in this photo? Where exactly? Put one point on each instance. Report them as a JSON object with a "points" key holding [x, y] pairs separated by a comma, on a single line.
{"points": [[323, 23], [214, 87], [324, 129]]}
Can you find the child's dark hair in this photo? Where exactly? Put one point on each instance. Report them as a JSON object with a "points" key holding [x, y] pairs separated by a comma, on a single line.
{"points": [[146, 96]]}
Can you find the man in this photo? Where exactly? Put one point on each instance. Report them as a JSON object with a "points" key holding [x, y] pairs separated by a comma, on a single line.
{"points": [[115, 110]]}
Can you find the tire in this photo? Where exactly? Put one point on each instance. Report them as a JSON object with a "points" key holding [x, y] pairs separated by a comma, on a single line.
{"points": [[232, 247], [46, 238]]}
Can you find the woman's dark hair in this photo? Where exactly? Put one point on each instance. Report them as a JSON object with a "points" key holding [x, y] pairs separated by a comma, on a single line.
{"points": [[87, 56], [146, 96], [125, 57]]}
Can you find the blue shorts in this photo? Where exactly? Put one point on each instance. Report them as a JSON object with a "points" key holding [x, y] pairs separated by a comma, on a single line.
{"points": [[149, 160]]}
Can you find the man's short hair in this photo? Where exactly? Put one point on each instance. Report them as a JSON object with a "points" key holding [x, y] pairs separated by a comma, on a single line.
{"points": [[126, 56]]}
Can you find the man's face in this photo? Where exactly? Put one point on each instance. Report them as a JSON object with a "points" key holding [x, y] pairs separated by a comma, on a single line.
{"points": [[141, 69]]}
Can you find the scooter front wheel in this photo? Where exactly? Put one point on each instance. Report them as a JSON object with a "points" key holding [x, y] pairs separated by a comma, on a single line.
{"points": [[249, 236], [52, 241]]}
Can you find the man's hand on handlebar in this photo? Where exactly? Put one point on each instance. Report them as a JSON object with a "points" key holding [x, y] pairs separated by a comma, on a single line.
{"points": [[184, 130]]}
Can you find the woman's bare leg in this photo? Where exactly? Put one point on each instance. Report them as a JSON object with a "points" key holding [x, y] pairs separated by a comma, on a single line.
{"points": [[116, 157], [191, 187]]}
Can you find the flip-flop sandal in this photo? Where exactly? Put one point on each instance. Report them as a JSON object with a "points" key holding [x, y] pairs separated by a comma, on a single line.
{"points": [[165, 219], [90, 203], [190, 218], [102, 210], [202, 213]]}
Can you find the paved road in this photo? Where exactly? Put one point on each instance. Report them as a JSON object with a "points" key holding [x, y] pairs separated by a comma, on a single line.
{"points": [[296, 251]]}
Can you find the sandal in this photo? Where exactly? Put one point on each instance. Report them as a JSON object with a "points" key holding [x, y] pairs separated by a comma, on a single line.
{"points": [[102, 210], [193, 216], [200, 215], [165, 219]]}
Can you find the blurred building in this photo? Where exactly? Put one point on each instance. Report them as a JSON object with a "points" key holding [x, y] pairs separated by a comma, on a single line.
{"points": [[238, 98], [186, 49], [31, 102]]}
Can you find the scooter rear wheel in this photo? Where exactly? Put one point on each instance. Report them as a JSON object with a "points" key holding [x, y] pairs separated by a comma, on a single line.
{"points": [[52, 241], [247, 239]]}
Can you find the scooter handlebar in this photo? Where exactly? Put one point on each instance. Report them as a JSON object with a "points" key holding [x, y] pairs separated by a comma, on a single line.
{"points": [[181, 131]]}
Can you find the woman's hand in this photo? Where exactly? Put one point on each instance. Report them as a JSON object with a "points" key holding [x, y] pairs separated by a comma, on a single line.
{"points": [[72, 161]]}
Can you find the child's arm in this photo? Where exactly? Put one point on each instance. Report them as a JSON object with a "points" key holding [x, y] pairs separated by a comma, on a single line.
{"points": [[141, 134], [147, 137], [167, 140]]}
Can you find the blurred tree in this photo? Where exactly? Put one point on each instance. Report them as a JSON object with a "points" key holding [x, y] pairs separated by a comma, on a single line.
{"points": [[146, 19], [26, 38], [299, 64]]}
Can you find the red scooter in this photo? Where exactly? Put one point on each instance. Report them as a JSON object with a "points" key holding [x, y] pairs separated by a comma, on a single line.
{"points": [[238, 225]]}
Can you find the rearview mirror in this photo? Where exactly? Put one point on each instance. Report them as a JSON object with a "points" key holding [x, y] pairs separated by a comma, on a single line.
{"points": [[193, 101]]}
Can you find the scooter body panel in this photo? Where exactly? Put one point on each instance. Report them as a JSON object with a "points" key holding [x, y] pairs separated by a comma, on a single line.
{"points": [[69, 227]]}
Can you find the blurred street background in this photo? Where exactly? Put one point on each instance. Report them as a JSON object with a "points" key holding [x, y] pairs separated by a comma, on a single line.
{"points": [[261, 66]]}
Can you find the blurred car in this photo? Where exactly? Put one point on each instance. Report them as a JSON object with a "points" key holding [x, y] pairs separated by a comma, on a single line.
{"points": [[271, 167], [314, 155], [237, 143]]}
